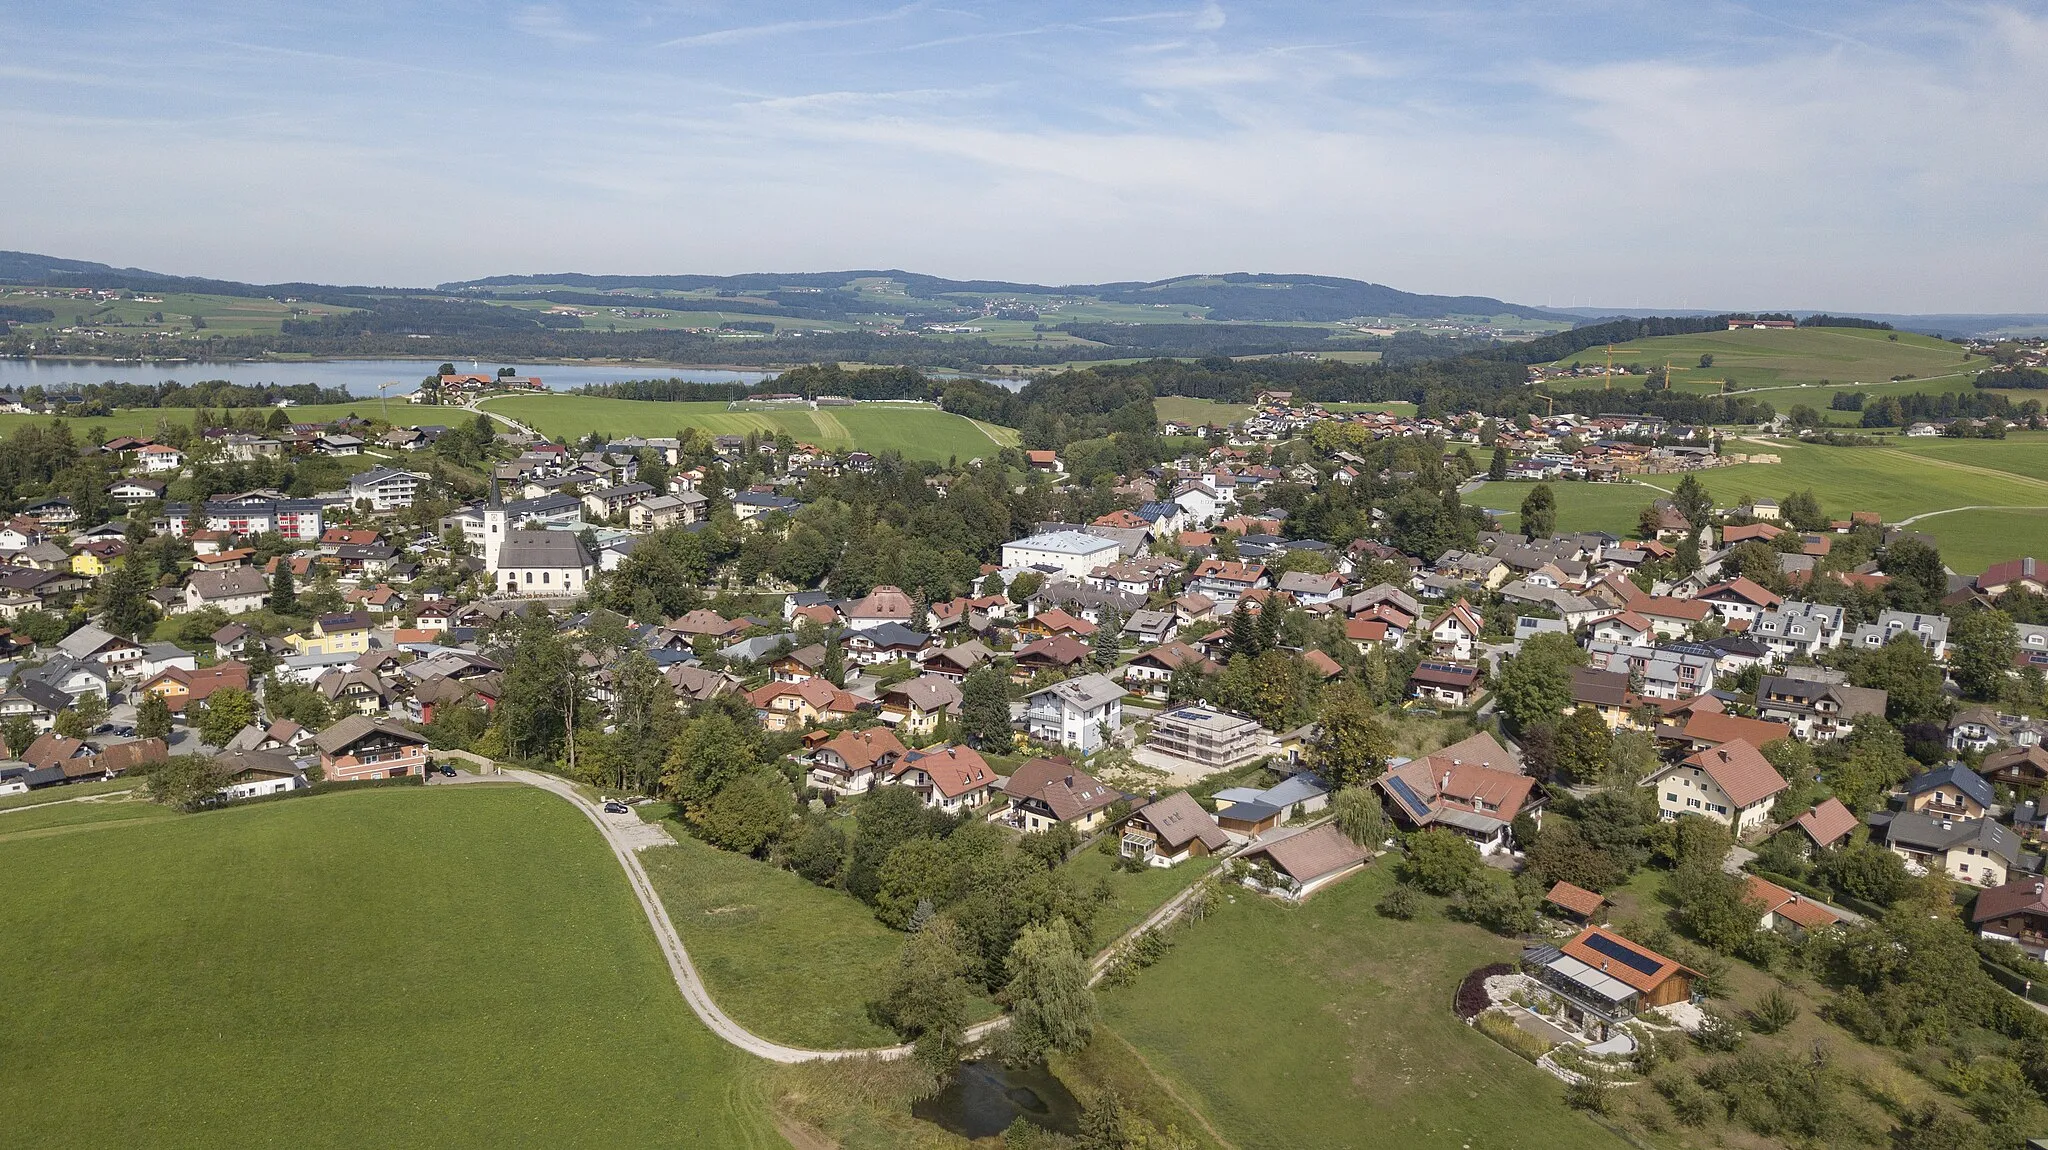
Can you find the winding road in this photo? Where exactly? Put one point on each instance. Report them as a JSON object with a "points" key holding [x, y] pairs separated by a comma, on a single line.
{"points": [[691, 984]]}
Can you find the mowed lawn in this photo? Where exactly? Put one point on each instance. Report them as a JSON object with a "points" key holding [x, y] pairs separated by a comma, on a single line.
{"points": [[1611, 507], [789, 960], [1840, 355], [459, 966], [918, 431], [1327, 1025]]}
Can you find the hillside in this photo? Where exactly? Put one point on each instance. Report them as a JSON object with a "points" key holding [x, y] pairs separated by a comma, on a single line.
{"points": [[1834, 356]]}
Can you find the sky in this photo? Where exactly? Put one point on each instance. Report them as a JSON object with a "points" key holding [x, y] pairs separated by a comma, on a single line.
{"points": [[1844, 154]]}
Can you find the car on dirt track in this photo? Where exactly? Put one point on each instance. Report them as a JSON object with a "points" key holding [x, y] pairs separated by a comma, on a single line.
{"points": [[615, 807]]}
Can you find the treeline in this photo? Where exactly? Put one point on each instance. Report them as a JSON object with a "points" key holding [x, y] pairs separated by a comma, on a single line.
{"points": [[15, 313], [95, 399], [1564, 343], [1824, 320], [2020, 378], [412, 316], [1901, 410]]}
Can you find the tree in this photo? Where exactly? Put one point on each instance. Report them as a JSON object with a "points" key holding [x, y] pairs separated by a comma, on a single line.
{"points": [[1773, 1012], [1498, 469], [1439, 861], [1539, 512], [834, 666], [712, 751], [1536, 685], [889, 817], [1713, 905], [284, 592], [1584, 743], [925, 997], [1561, 854], [1919, 580], [1691, 500], [124, 598], [86, 712], [1104, 646], [1351, 745], [153, 717], [184, 781], [1360, 816], [1981, 649], [985, 709], [1051, 1006], [224, 714], [818, 852], [18, 731], [749, 813]]}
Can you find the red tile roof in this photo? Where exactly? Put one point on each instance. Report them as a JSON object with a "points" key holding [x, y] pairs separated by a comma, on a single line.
{"points": [[1741, 771], [1827, 822], [1645, 981], [1787, 905], [1576, 899]]}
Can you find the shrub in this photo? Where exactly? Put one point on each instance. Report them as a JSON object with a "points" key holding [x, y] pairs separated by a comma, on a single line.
{"points": [[1690, 1102], [1773, 1012], [1502, 1029], [1718, 1032], [1400, 903], [1590, 1094]]}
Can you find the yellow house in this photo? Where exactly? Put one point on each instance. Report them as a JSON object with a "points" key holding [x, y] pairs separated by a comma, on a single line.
{"points": [[333, 635], [96, 559]]}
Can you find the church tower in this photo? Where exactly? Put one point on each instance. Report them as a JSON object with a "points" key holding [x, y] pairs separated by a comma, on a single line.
{"points": [[494, 526]]}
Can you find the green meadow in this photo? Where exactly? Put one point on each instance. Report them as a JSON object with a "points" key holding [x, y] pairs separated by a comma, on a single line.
{"points": [[1807, 355], [918, 431], [459, 966]]}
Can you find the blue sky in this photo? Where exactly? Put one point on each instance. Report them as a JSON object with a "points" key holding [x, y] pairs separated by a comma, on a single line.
{"points": [[1849, 155]]}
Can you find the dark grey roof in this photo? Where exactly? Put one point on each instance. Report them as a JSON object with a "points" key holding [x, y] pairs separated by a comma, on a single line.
{"points": [[1919, 830], [1963, 778], [543, 549]]}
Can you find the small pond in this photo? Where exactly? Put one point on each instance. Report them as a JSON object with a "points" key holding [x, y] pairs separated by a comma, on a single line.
{"points": [[986, 1096]]}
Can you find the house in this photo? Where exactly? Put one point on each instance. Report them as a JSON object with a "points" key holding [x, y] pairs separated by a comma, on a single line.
{"points": [[1171, 830], [1309, 589], [1796, 630], [236, 591], [1931, 630], [133, 493], [953, 779], [2017, 766], [1784, 911], [1816, 711], [1606, 694], [1953, 792], [1046, 791], [883, 605], [1455, 631], [751, 505], [1297, 863], [1058, 653], [1447, 683], [1209, 739], [158, 458], [1706, 728], [1977, 851], [385, 488], [916, 707], [1739, 600], [253, 774], [1733, 784], [886, 643], [228, 641], [2015, 912], [180, 688], [1473, 787], [784, 706], [1828, 824], [851, 762], [1577, 904], [1606, 980], [1225, 581], [333, 635], [2026, 574], [116, 656], [360, 747], [957, 662], [1082, 713], [1151, 672], [1073, 552], [1151, 628]]}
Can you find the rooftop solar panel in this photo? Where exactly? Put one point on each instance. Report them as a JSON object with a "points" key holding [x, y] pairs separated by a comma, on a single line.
{"points": [[1406, 794], [1614, 949]]}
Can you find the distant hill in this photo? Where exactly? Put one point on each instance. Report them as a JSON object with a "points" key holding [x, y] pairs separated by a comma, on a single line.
{"points": [[1235, 296], [28, 267], [1950, 324]]}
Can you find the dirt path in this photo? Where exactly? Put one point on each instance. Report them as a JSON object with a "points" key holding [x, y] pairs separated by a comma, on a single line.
{"points": [[60, 802], [1172, 1092]]}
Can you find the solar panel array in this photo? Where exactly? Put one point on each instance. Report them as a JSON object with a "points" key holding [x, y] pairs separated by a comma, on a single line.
{"points": [[1406, 794], [1634, 959]]}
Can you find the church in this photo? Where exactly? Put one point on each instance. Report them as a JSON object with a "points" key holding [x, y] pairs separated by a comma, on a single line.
{"points": [[530, 562]]}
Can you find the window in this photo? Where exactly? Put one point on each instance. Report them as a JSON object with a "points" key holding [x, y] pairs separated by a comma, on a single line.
{"points": [[1670, 796]]}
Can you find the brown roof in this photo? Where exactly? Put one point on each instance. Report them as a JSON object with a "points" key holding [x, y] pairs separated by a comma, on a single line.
{"points": [[52, 750], [1773, 898], [2016, 760], [1827, 822], [1174, 656], [1740, 770], [1600, 688], [1323, 664], [954, 771], [883, 602], [1576, 899], [1720, 727], [2024, 896], [1061, 650], [1481, 749], [123, 757], [864, 749], [351, 730], [1057, 620], [1067, 792], [1640, 979], [1744, 588], [1178, 820], [818, 692], [1691, 610], [1312, 853]]}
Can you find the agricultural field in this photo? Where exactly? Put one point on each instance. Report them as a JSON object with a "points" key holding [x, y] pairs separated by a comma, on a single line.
{"points": [[1331, 1002], [146, 420], [1181, 409], [919, 431], [222, 315], [2007, 479], [458, 966], [1770, 359]]}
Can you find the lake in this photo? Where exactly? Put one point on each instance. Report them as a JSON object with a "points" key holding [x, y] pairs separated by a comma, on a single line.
{"points": [[985, 1096], [358, 376]]}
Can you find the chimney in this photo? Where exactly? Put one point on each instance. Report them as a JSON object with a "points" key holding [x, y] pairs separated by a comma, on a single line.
{"points": [[1446, 783]]}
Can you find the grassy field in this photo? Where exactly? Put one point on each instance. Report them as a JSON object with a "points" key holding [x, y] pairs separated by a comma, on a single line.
{"points": [[1898, 481], [444, 967], [1181, 409], [791, 961], [41, 821], [145, 421], [223, 315], [919, 431], [1133, 896], [1326, 1025], [1808, 355], [72, 791]]}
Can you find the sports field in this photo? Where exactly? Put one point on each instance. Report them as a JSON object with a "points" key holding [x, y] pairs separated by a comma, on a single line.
{"points": [[918, 430], [459, 966], [2007, 479], [1328, 1025], [1807, 355]]}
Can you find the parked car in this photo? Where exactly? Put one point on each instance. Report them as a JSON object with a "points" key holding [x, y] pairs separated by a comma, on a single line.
{"points": [[447, 772], [615, 807]]}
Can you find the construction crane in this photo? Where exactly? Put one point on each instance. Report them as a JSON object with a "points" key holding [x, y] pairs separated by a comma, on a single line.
{"points": [[384, 397], [1667, 374], [1551, 401]]}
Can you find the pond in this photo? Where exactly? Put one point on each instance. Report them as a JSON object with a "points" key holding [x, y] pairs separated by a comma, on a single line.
{"points": [[986, 1096]]}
